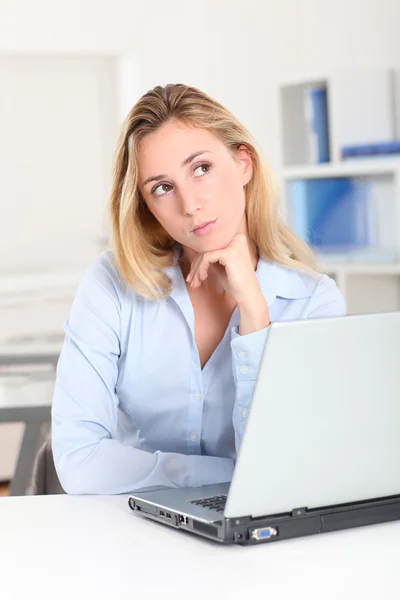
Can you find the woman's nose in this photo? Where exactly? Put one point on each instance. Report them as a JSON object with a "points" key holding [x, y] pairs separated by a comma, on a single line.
{"points": [[190, 203]]}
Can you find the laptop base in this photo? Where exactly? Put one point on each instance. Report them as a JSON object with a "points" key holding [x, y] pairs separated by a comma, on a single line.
{"points": [[301, 522]]}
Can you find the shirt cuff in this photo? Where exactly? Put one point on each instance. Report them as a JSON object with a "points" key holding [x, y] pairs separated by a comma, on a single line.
{"points": [[247, 352]]}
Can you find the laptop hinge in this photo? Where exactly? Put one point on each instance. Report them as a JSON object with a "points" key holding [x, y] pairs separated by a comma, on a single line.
{"points": [[299, 512]]}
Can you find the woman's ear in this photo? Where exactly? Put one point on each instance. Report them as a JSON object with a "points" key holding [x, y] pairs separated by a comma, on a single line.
{"points": [[244, 158]]}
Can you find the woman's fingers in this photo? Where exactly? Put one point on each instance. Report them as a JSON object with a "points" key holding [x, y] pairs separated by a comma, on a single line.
{"points": [[200, 267], [193, 269]]}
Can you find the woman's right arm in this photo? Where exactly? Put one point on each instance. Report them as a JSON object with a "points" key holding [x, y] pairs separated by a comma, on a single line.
{"points": [[87, 456]]}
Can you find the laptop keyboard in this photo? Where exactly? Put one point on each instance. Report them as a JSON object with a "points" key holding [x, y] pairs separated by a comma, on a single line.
{"points": [[215, 502]]}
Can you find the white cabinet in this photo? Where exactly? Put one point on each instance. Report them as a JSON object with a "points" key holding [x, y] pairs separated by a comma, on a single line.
{"points": [[59, 124]]}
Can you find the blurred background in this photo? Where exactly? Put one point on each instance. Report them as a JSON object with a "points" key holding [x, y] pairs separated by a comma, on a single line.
{"points": [[317, 83]]}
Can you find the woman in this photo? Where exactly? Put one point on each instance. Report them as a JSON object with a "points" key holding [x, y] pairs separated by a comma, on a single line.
{"points": [[167, 329]]}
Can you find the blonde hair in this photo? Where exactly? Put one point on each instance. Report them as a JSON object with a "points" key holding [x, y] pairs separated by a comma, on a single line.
{"points": [[142, 248]]}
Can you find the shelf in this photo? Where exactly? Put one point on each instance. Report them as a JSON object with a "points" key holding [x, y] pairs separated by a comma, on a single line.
{"points": [[349, 220], [348, 210], [352, 168], [361, 269], [299, 104]]}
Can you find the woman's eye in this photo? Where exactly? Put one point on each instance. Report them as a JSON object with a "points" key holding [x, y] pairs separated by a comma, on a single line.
{"points": [[202, 169], [161, 187], [164, 188]]}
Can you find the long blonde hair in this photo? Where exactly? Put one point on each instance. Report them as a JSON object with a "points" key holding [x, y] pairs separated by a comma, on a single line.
{"points": [[142, 248]]}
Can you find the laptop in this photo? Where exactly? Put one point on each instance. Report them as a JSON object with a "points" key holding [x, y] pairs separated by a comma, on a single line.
{"points": [[321, 447]]}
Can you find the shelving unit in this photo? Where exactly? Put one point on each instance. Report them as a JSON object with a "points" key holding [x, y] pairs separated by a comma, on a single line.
{"points": [[363, 106], [352, 168]]}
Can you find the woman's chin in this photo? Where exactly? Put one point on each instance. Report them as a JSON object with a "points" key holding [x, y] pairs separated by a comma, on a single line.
{"points": [[208, 246], [209, 243]]}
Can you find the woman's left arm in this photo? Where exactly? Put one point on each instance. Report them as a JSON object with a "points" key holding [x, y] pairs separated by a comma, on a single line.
{"points": [[247, 350], [236, 271]]}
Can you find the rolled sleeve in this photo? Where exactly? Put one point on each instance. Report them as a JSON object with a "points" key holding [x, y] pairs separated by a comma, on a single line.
{"points": [[247, 351]]}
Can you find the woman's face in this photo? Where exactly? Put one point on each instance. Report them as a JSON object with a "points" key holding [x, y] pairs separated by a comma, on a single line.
{"points": [[187, 178]]}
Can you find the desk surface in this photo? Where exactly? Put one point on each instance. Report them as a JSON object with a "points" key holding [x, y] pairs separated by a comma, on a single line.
{"points": [[88, 547]]}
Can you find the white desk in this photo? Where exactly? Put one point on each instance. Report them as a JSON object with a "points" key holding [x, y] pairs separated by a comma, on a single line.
{"points": [[93, 547]]}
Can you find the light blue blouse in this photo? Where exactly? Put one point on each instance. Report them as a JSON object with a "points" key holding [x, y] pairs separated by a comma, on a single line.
{"points": [[132, 407]]}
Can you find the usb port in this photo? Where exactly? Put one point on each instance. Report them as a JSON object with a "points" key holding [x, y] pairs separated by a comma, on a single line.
{"points": [[168, 515], [161, 513]]}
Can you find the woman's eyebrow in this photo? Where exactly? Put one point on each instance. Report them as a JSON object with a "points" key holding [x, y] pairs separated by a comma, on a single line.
{"points": [[184, 163]]}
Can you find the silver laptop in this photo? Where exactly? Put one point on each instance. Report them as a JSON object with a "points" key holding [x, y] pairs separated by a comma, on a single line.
{"points": [[321, 448]]}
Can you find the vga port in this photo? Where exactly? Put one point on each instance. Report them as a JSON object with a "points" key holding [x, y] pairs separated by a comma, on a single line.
{"points": [[264, 533]]}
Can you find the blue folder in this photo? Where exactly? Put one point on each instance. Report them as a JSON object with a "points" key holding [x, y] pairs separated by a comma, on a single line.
{"points": [[319, 118], [331, 214]]}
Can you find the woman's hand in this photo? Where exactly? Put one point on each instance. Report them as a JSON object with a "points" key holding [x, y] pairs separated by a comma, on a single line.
{"points": [[234, 268]]}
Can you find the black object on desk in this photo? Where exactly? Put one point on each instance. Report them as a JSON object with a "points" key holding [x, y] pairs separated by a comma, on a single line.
{"points": [[28, 364]]}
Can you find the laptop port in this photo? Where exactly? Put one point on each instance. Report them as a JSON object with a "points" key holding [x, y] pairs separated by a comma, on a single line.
{"points": [[183, 520], [161, 513], [168, 516], [264, 533]]}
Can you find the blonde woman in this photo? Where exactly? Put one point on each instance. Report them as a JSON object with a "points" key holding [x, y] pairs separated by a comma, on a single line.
{"points": [[167, 329]]}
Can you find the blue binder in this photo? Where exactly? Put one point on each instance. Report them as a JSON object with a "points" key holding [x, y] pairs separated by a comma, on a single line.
{"points": [[331, 214], [319, 118], [381, 148]]}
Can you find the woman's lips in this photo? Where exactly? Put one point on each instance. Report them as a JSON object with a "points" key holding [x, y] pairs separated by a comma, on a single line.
{"points": [[205, 229]]}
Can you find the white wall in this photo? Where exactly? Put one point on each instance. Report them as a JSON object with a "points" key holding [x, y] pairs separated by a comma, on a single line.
{"points": [[58, 125], [233, 49], [54, 159], [239, 51]]}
